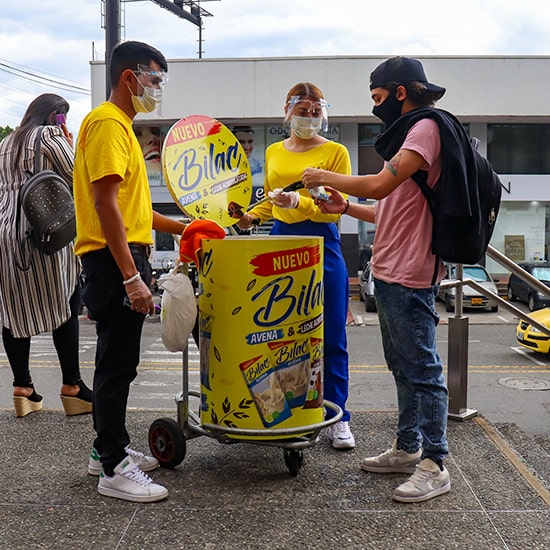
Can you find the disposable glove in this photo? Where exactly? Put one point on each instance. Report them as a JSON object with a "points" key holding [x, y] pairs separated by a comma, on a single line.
{"points": [[284, 199], [141, 299]]}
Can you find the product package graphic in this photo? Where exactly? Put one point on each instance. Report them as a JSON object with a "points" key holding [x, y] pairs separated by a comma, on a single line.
{"points": [[261, 332]]}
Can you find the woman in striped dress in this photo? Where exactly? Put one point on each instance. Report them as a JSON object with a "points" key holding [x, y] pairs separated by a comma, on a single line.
{"points": [[38, 293]]}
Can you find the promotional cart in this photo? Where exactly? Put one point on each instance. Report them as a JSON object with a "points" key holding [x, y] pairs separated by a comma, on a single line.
{"points": [[260, 302]]}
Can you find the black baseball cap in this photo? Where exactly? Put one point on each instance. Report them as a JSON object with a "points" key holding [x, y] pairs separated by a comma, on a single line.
{"points": [[401, 70]]}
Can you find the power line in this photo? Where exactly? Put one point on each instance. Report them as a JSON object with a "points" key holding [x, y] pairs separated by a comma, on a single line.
{"points": [[15, 66], [43, 80]]}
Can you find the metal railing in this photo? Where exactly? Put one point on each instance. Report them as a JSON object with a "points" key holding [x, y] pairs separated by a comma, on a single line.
{"points": [[457, 370]]}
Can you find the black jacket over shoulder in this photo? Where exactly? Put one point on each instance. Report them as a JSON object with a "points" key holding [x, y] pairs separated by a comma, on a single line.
{"points": [[458, 167]]}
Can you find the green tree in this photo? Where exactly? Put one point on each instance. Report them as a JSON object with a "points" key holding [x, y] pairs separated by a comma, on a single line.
{"points": [[4, 131]]}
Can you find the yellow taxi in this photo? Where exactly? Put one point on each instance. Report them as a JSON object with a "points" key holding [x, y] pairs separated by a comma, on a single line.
{"points": [[532, 338]]}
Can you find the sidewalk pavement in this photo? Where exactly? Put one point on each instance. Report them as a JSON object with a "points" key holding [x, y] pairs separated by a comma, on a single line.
{"points": [[242, 496]]}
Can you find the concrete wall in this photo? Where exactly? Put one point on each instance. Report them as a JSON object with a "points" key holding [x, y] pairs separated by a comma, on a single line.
{"points": [[478, 88]]}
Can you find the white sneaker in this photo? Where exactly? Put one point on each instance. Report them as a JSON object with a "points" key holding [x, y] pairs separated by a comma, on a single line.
{"points": [[145, 463], [393, 460], [341, 435], [428, 481], [130, 483]]}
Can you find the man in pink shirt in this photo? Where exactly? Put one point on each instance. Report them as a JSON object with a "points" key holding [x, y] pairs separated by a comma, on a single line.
{"points": [[406, 272]]}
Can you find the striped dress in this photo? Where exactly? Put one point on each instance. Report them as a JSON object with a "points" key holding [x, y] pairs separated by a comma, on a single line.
{"points": [[37, 300]]}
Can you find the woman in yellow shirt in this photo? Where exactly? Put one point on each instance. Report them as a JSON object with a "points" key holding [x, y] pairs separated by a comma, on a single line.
{"points": [[295, 213]]}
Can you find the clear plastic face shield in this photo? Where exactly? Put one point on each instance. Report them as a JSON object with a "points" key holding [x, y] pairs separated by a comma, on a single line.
{"points": [[152, 83], [307, 112], [150, 78]]}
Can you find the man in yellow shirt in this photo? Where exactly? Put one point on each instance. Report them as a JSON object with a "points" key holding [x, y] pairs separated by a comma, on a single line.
{"points": [[114, 233]]}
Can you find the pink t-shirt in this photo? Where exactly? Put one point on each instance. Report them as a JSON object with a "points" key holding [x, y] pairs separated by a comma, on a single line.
{"points": [[402, 244]]}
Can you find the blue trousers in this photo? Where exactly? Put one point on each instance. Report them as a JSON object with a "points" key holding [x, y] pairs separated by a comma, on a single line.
{"points": [[408, 321], [335, 306]]}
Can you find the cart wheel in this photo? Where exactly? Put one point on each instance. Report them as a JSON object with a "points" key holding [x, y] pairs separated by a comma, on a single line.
{"points": [[167, 442], [294, 461]]}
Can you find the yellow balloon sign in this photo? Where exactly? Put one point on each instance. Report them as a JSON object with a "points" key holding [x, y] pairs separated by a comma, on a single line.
{"points": [[206, 169]]}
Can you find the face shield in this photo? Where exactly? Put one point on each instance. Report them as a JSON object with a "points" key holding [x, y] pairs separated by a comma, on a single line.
{"points": [[305, 107], [150, 78], [152, 83]]}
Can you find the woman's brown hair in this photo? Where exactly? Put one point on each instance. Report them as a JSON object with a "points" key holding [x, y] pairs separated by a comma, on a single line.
{"points": [[40, 112], [305, 89]]}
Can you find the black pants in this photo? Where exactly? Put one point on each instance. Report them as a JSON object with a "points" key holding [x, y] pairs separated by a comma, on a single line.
{"points": [[118, 349], [65, 339]]}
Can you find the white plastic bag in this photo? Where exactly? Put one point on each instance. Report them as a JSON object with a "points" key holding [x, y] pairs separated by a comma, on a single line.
{"points": [[178, 310]]}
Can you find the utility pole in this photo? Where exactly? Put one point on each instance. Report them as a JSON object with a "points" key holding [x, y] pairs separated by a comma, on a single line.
{"points": [[112, 37], [113, 24]]}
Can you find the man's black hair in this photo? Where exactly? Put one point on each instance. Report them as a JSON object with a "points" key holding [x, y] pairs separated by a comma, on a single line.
{"points": [[128, 55], [416, 92]]}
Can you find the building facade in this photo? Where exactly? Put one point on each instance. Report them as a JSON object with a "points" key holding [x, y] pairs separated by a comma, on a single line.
{"points": [[503, 101]]}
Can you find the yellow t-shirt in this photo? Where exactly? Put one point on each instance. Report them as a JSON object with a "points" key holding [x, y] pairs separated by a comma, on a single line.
{"points": [[107, 146], [283, 167]]}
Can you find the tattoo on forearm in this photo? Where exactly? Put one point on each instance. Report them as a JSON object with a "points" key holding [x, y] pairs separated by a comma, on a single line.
{"points": [[393, 164]]}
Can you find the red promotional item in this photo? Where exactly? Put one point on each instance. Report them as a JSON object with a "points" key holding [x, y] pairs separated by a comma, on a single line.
{"points": [[190, 243]]}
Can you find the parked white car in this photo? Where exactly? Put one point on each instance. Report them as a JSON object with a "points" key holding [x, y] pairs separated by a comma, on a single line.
{"points": [[471, 297]]}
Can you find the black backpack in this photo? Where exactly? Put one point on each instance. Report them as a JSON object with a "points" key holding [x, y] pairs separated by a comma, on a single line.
{"points": [[464, 240], [466, 199], [48, 204]]}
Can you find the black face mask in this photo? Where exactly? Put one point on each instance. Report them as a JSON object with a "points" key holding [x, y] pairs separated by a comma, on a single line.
{"points": [[389, 110]]}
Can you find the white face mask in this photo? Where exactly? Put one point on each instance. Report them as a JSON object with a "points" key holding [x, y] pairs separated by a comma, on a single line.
{"points": [[306, 127], [148, 101]]}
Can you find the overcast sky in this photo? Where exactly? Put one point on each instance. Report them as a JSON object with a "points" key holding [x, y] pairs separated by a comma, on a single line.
{"points": [[56, 39]]}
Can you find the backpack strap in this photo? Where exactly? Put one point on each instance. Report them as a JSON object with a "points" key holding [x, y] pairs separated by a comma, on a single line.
{"points": [[38, 150], [421, 179], [24, 265]]}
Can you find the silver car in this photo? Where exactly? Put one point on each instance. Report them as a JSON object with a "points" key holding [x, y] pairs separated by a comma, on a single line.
{"points": [[366, 288], [471, 297]]}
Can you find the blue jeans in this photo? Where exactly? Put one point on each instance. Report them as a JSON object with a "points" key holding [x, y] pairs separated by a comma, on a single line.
{"points": [[408, 321]]}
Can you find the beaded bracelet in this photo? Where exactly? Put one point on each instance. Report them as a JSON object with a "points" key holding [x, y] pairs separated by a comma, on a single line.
{"points": [[133, 279], [346, 208]]}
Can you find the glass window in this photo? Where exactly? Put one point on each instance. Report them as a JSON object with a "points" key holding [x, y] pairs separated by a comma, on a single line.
{"points": [[519, 148], [476, 273], [164, 241], [542, 273], [368, 133], [369, 161]]}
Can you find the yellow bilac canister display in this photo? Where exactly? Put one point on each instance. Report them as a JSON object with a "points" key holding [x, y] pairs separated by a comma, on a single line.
{"points": [[261, 332]]}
